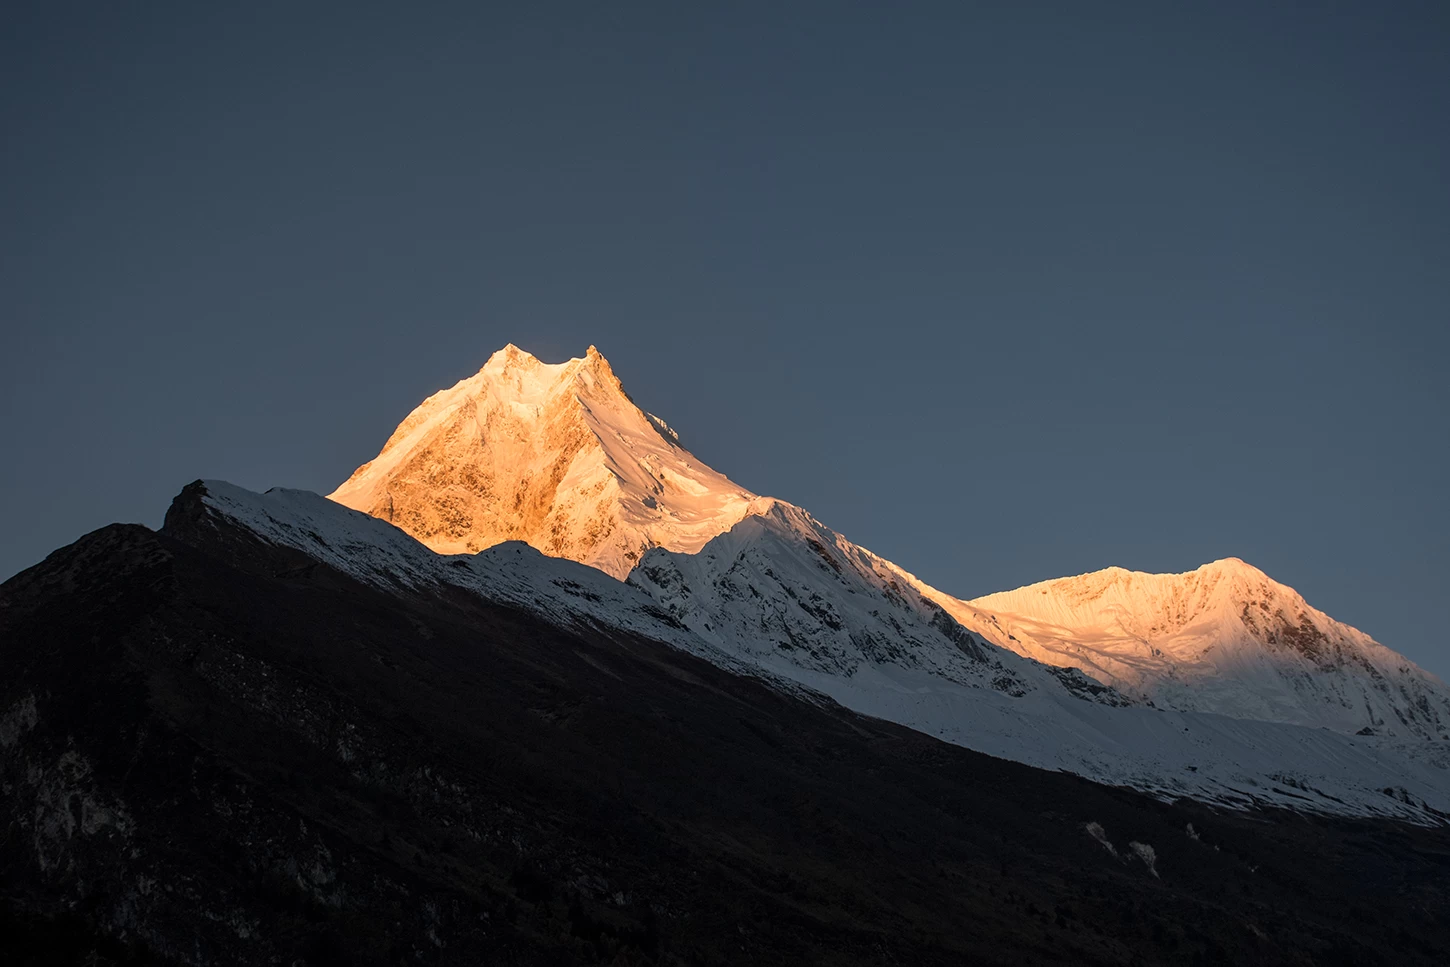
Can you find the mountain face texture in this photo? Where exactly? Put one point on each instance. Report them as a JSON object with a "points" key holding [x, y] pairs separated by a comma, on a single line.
{"points": [[559, 456], [780, 583], [556, 456], [218, 747]]}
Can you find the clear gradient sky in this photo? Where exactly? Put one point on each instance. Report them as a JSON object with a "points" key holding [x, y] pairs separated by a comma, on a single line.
{"points": [[1002, 292]]}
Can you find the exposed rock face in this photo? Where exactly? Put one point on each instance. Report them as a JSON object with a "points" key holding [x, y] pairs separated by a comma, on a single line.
{"points": [[557, 456]]}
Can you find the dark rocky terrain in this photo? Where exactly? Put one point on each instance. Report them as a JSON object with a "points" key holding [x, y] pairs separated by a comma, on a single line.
{"points": [[213, 751]]}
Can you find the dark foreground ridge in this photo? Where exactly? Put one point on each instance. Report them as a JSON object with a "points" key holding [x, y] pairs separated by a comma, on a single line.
{"points": [[213, 751]]}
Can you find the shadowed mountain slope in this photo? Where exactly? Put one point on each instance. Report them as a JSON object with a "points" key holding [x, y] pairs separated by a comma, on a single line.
{"points": [[783, 598], [219, 750]]}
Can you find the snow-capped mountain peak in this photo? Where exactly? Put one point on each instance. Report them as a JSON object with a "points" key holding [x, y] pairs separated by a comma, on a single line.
{"points": [[558, 456], [553, 454], [1225, 638], [1140, 604]]}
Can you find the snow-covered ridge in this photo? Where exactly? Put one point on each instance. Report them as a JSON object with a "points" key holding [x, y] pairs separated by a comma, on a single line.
{"points": [[986, 699], [1223, 638], [780, 584], [380, 555], [555, 455], [783, 589]]}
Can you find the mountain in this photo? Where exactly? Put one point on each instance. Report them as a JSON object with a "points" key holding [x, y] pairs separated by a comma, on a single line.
{"points": [[276, 732], [1224, 638], [559, 456], [445, 731], [556, 456], [782, 599]]}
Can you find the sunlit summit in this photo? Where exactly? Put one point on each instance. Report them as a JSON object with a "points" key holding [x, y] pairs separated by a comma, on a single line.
{"points": [[558, 456]]}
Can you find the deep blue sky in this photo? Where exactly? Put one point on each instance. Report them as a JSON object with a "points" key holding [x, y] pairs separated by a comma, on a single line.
{"points": [[1003, 294]]}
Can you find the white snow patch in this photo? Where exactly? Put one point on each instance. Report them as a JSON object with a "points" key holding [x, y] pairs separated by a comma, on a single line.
{"points": [[1096, 831], [1145, 853]]}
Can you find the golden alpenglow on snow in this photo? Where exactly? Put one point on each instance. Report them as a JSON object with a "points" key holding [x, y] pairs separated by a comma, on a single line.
{"points": [[559, 457], [1224, 638], [556, 455]]}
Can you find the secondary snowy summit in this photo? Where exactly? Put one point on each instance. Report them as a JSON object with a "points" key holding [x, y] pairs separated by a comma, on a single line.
{"points": [[1224, 638]]}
